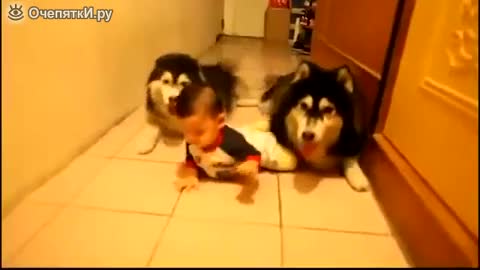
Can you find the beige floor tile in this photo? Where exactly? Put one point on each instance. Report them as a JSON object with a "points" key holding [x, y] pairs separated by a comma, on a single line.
{"points": [[244, 116], [226, 201], [119, 135], [132, 186], [254, 59], [69, 182], [191, 243], [310, 248], [328, 203], [22, 224], [161, 153], [85, 238]]}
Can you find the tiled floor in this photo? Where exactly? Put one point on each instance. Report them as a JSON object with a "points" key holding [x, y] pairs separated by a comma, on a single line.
{"points": [[112, 207], [254, 59]]}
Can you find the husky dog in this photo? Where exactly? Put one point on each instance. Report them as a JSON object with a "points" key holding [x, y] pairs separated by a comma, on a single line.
{"points": [[170, 74], [316, 113]]}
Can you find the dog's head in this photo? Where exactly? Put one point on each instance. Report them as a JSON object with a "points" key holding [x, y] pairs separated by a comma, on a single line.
{"points": [[317, 107], [171, 73]]}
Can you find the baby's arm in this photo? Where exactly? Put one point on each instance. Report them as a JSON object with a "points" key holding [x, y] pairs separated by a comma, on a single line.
{"points": [[251, 164], [190, 163], [237, 146], [188, 177]]}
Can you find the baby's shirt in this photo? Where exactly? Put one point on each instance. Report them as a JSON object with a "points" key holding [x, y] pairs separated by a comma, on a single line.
{"points": [[219, 160]]}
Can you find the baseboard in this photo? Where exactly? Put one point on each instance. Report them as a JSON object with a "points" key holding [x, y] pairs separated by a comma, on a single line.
{"points": [[428, 232], [240, 36], [218, 37]]}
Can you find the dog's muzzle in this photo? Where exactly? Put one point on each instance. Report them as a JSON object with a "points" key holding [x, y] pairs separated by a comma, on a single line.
{"points": [[172, 102]]}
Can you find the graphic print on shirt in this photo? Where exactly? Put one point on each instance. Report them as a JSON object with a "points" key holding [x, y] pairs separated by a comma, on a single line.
{"points": [[212, 162]]}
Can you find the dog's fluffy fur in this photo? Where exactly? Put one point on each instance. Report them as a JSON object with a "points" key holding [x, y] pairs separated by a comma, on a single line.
{"points": [[168, 77], [316, 113]]}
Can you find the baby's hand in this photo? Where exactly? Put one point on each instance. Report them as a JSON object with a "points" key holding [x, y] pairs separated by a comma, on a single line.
{"points": [[248, 168], [186, 183]]}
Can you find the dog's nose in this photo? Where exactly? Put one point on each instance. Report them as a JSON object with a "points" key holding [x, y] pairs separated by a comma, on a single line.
{"points": [[308, 136]]}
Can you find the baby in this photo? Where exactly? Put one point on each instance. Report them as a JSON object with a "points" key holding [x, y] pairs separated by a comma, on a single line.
{"points": [[213, 147]]}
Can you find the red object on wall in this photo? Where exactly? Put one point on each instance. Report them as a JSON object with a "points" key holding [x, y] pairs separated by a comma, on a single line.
{"points": [[279, 3]]}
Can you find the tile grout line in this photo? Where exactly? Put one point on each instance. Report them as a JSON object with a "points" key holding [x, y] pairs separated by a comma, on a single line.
{"points": [[55, 215], [61, 207], [240, 222], [135, 212], [145, 160], [338, 231], [130, 138], [113, 210], [120, 148], [227, 221], [162, 232], [280, 216]]}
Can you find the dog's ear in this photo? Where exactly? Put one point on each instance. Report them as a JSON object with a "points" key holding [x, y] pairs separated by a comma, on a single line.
{"points": [[303, 71], [154, 75], [344, 76]]}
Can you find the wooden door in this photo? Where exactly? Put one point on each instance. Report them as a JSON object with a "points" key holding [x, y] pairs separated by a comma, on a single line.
{"points": [[422, 160], [356, 33]]}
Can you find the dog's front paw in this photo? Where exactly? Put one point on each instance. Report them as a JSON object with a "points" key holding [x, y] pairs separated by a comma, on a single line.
{"points": [[355, 176], [245, 199], [358, 182], [172, 141], [145, 147], [148, 140]]}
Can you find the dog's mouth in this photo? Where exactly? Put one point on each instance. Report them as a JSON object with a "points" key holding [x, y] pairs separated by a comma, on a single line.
{"points": [[172, 106], [307, 148]]}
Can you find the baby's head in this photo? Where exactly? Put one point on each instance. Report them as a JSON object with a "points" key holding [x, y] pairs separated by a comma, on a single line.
{"points": [[201, 114]]}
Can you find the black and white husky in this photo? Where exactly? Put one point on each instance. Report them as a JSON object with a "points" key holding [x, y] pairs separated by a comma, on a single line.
{"points": [[170, 74], [316, 113]]}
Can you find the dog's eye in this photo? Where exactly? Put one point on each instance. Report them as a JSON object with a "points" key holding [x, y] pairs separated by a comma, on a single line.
{"points": [[303, 106], [166, 81], [327, 110]]}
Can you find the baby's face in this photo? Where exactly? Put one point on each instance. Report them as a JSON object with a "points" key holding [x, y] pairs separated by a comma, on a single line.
{"points": [[201, 129]]}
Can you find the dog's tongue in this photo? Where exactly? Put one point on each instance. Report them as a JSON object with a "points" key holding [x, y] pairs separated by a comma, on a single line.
{"points": [[307, 149]]}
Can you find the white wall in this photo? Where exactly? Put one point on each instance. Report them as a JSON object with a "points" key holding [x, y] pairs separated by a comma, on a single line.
{"points": [[245, 17], [66, 82], [229, 16]]}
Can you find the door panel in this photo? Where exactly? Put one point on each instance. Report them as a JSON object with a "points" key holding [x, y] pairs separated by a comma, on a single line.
{"points": [[433, 116], [355, 33]]}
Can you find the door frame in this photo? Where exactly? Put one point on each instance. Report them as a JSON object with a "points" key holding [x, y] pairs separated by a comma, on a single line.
{"points": [[426, 228]]}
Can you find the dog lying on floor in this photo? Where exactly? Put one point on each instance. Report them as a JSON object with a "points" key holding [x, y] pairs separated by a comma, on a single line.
{"points": [[316, 113]]}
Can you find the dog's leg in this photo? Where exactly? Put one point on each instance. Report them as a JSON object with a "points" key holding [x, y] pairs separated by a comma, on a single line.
{"points": [[149, 139], [354, 174], [274, 156], [281, 159]]}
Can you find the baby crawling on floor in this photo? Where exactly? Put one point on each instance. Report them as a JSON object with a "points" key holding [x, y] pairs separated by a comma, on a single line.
{"points": [[217, 150]]}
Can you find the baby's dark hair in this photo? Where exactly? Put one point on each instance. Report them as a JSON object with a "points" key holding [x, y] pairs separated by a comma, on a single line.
{"points": [[198, 96]]}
